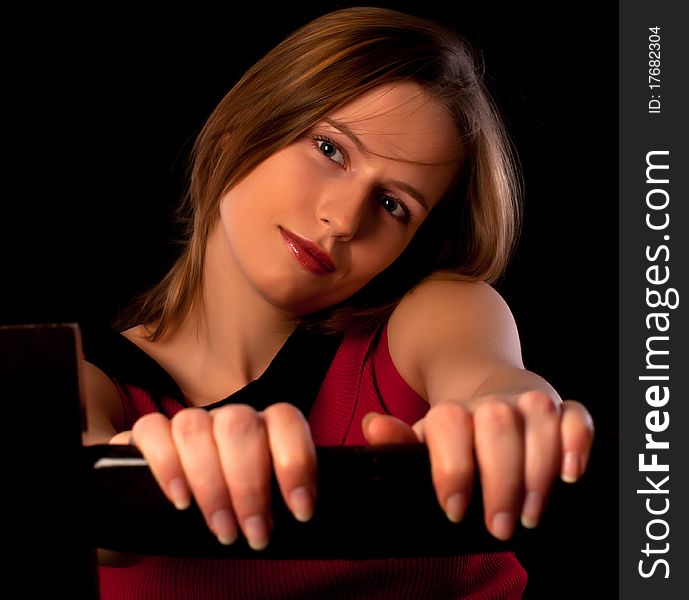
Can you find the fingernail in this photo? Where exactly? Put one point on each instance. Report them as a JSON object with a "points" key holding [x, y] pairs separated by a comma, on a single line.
{"points": [[532, 509], [256, 532], [570, 467], [224, 527], [179, 493], [366, 420], [301, 504], [455, 507], [502, 525]]}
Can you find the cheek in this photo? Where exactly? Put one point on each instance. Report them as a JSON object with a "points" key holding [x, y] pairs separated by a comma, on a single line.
{"points": [[380, 250], [279, 180]]}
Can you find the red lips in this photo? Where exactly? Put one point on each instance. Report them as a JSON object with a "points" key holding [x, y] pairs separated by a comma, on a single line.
{"points": [[308, 254]]}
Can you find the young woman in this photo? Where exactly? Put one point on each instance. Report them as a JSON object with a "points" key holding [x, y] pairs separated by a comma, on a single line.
{"points": [[355, 185]]}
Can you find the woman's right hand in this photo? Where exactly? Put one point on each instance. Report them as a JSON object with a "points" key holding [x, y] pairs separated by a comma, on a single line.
{"points": [[225, 458]]}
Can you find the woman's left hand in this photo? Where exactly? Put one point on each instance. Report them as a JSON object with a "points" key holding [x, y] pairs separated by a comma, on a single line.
{"points": [[519, 443]]}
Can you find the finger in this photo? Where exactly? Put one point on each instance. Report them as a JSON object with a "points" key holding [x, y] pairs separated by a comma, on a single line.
{"points": [[123, 437], [449, 436], [577, 438], [499, 445], [418, 429], [152, 436], [542, 454], [192, 432], [240, 435], [294, 457], [385, 429]]}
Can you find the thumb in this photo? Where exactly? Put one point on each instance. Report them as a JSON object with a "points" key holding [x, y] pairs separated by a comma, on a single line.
{"points": [[385, 429], [123, 437]]}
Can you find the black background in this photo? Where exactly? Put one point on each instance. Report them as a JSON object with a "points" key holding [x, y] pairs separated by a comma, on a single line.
{"points": [[102, 110]]}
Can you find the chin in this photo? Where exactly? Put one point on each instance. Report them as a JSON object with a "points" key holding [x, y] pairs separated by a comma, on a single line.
{"points": [[288, 296], [300, 295], [298, 307], [296, 301]]}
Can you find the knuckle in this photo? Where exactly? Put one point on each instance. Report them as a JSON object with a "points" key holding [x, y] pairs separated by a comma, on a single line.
{"points": [[248, 502], [449, 412], [446, 468], [537, 401], [496, 414], [579, 428], [147, 423], [250, 486], [581, 414], [283, 410], [237, 420], [207, 491], [293, 464], [190, 422]]}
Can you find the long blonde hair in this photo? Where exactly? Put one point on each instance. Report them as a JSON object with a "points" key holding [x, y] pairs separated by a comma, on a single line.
{"points": [[317, 69]]}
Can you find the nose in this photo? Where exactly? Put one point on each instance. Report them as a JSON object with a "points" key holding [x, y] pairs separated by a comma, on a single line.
{"points": [[342, 209]]}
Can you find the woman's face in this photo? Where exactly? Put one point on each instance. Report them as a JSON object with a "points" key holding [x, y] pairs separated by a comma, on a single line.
{"points": [[313, 223]]}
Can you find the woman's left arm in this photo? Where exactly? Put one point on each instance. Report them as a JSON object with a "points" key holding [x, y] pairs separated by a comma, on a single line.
{"points": [[457, 345]]}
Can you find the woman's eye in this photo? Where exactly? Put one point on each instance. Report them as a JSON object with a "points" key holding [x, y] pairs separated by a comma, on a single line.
{"points": [[330, 150], [395, 208]]}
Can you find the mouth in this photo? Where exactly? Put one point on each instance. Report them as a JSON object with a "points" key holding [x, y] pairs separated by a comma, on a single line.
{"points": [[308, 254]]}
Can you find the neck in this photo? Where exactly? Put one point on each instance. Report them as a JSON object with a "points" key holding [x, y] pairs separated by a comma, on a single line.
{"points": [[233, 333], [233, 321]]}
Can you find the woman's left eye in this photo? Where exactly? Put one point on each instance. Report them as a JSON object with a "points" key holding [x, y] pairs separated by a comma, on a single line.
{"points": [[330, 150], [395, 207]]}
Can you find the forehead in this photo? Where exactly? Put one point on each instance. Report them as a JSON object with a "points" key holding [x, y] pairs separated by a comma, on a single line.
{"points": [[403, 122]]}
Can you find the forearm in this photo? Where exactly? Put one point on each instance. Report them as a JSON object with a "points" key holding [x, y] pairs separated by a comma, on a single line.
{"points": [[512, 381]]}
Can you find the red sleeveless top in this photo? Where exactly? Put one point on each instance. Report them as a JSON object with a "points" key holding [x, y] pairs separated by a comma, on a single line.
{"points": [[361, 378]]}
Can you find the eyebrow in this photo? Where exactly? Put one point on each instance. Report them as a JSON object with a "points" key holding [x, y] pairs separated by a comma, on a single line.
{"points": [[350, 134], [361, 147]]}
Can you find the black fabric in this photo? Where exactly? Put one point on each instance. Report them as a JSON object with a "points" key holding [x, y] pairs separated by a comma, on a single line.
{"points": [[123, 360], [294, 375]]}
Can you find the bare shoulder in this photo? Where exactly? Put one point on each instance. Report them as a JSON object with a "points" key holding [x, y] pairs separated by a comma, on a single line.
{"points": [[467, 321], [437, 303], [103, 405]]}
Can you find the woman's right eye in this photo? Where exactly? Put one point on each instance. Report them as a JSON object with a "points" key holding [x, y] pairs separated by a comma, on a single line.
{"points": [[330, 150]]}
